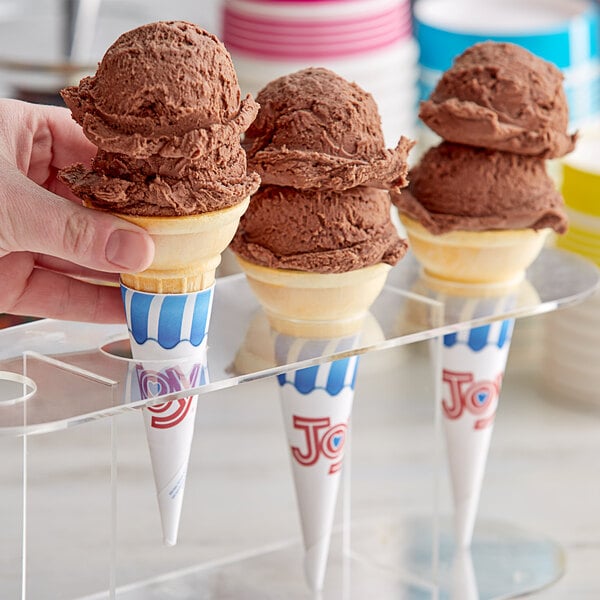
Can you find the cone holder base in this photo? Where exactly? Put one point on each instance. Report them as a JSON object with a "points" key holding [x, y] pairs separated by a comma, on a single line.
{"points": [[387, 560], [505, 561], [274, 573]]}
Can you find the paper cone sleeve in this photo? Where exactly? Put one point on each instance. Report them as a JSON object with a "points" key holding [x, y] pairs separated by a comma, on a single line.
{"points": [[473, 363], [169, 454], [308, 306], [316, 405], [168, 334]]}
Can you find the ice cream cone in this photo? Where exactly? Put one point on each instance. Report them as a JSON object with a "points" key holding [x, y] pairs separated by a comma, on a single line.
{"points": [[318, 305], [471, 274], [168, 310], [315, 314], [493, 257], [187, 250], [470, 370], [472, 367], [485, 192], [164, 150]]}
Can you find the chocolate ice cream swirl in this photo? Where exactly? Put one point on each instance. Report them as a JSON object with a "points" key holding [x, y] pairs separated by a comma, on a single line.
{"points": [[456, 187], [165, 111], [324, 203], [500, 96], [322, 231], [316, 130]]}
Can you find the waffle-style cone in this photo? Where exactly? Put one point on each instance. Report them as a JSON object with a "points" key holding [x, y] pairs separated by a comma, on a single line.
{"points": [[187, 250], [315, 305], [475, 256]]}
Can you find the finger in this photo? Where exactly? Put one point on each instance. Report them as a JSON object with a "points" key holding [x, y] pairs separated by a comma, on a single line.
{"points": [[57, 296], [69, 144], [58, 142], [46, 138], [35, 220], [73, 270]]}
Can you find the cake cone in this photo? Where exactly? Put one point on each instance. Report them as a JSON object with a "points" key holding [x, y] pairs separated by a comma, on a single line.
{"points": [[168, 310], [187, 250], [479, 257], [316, 314], [319, 305]]}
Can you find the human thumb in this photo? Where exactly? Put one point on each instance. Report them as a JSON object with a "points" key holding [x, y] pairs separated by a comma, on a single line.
{"points": [[36, 220]]}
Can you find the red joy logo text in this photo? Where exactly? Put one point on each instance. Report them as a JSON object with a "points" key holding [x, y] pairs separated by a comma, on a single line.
{"points": [[321, 439], [157, 383], [480, 398]]}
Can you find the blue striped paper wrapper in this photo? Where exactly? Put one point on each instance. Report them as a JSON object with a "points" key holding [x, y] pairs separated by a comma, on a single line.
{"points": [[316, 405], [168, 335], [473, 363], [166, 325]]}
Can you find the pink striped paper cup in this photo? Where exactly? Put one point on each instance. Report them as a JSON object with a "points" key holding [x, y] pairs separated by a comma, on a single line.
{"points": [[301, 32]]}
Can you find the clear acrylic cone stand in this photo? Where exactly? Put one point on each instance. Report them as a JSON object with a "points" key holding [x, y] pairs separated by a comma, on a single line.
{"points": [[79, 515]]}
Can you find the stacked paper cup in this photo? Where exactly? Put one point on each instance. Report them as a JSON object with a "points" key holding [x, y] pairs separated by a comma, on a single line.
{"points": [[564, 32], [573, 335], [581, 190], [366, 41]]}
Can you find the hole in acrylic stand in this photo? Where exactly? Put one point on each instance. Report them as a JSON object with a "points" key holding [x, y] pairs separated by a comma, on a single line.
{"points": [[117, 348], [15, 388]]}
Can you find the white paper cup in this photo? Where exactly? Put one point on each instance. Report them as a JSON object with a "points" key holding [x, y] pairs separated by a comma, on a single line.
{"points": [[311, 31]]}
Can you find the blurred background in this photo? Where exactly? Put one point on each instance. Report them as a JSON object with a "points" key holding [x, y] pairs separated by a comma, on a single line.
{"points": [[396, 49]]}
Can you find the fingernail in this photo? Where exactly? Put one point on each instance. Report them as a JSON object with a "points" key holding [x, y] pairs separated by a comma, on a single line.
{"points": [[127, 250]]}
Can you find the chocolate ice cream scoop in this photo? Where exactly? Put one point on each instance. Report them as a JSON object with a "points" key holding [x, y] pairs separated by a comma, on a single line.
{"points": [[322, 231], [456, 187], [168, 78], [501, 96], [315, 130], [165, 110]]}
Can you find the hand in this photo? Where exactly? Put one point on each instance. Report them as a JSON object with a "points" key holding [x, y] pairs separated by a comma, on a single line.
{"points": [[54, 253]]}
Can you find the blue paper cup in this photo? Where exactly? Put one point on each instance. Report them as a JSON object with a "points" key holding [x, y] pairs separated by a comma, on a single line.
{"points": [[563, 32]]}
